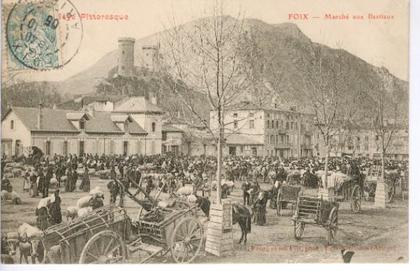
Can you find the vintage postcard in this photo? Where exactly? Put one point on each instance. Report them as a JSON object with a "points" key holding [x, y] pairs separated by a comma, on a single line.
{"points": [[205, 131]]}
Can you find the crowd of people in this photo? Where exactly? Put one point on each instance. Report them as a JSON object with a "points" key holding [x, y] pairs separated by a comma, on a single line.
{"points": [[168, 173]]}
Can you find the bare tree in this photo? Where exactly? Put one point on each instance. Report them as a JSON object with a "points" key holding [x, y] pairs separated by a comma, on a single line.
{"points": [[386, 120], [332, 109], [204, 57]]}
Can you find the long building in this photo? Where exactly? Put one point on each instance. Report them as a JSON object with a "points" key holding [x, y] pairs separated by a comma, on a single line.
{"points": [[131, 126]]}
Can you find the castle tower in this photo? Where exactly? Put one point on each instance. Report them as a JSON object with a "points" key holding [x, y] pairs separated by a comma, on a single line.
{"points": [[126, 57], [151, 57]]}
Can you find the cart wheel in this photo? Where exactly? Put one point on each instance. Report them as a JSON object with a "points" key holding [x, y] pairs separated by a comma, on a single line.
{"points": [[299, 229], [104, 247], [356, 199], [390, 192], [279, 203], [333, 225], [186, 240]]}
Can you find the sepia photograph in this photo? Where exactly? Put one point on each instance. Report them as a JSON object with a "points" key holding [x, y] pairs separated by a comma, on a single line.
{"points": [[205, 131]]}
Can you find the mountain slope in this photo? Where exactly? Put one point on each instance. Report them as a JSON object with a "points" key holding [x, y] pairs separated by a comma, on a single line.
{"points": [[290, 60]]}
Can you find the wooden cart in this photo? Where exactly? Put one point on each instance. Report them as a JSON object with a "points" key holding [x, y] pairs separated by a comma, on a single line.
{"points": [[99, 236], [316, 211], [287, 194], [108, 235]]}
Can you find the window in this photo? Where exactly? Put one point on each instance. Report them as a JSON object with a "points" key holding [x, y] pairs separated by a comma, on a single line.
{"points": [[277, 124], [235, 115], [251, 115], [48, 148], [287, 125], [242, 149], [153, 127], [366, 147], [268, 123], [125, 148], [251, 124], [235, 124], [272, 139], [65, 148], [12, 124], [272, 124], [82, 124], [164, 136], [366, 138], [81, 148]]}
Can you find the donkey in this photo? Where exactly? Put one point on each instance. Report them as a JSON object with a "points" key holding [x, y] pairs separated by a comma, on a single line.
{"points": [[242, 216]]}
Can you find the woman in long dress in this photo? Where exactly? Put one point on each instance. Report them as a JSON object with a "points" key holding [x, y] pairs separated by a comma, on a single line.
{"points": [[85, 185], [260, 209]]}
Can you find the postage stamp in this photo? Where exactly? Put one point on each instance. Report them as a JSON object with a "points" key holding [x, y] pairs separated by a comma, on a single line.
{"points": [[40, 39]]}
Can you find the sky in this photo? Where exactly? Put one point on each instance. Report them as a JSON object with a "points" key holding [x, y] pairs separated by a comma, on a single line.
{"points": [[381, 42]]}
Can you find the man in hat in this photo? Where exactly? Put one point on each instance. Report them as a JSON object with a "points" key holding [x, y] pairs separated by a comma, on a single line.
{"points": [[246, 186]]}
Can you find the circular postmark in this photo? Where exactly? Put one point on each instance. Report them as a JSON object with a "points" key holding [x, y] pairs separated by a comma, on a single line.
{"points": [[44, 34]]}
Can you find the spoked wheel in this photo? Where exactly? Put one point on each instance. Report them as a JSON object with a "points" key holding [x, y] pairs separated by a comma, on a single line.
{"points": [[332, 225], [104, 247], [390, 192], [187, 240], [279, 203], [299, 228], [356, 199]]}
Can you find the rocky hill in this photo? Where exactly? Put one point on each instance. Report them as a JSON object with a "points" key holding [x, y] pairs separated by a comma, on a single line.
{"points": [[290, 60]]}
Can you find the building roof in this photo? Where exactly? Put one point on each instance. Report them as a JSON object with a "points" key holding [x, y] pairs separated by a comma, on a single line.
{"points": [[135, 128], [119, 118], [76, 115], [237, 139], [52, 120], [170, 128], [136, 105], [56, 120], [279, 107]]}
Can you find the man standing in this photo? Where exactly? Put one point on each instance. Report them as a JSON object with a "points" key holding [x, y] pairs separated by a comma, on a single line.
{"points": [[47, 182], [246, 186], [41, 182]]}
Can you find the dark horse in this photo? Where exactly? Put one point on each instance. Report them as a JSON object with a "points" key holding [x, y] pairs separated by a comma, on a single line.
{"points": [[240, 215]]}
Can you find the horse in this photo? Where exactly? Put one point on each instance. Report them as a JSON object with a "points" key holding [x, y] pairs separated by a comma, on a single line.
{"points": [[242, 216]]}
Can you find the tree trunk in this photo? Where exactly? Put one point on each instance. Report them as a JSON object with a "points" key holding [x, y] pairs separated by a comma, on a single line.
{"points": [[380, 198], [219, 159], [324, 190]]}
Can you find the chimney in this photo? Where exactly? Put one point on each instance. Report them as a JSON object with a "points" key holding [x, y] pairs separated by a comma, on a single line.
{"points": [[39, 119], [153, 99]]}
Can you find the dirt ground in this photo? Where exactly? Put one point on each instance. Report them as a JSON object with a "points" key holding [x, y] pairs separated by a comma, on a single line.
{"points": [[376, 236]]}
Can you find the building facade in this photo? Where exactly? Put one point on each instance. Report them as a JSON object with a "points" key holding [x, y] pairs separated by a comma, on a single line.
{"points": [[133, 126], [270, 131]]}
